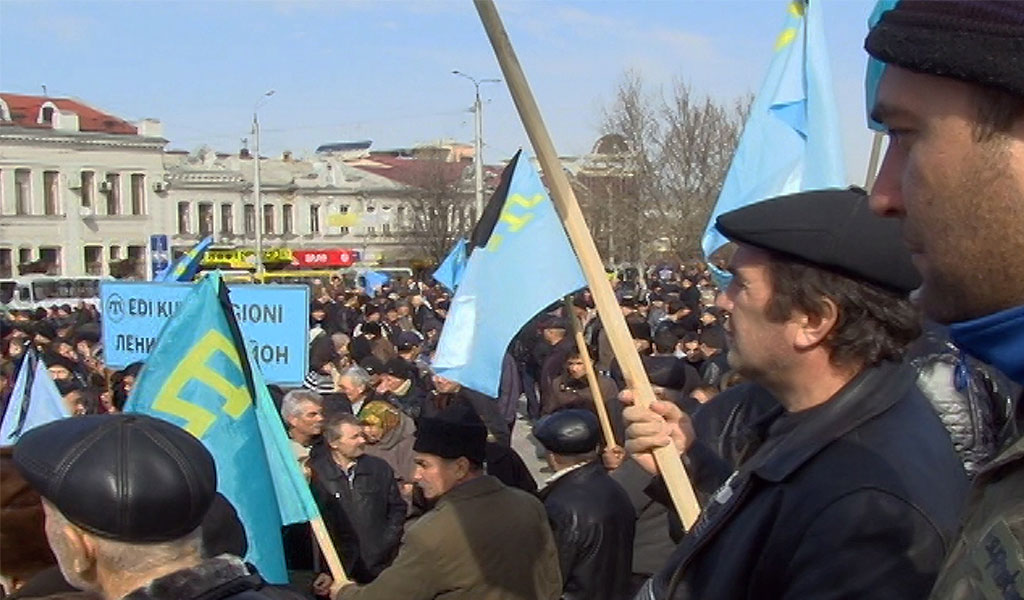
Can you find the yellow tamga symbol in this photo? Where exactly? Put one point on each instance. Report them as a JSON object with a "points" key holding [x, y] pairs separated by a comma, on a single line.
{"points": [[194, 367]]}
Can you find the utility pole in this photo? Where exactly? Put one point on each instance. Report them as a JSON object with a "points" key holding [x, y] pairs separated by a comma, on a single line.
{"points": [[256, 185], [478, 141]]}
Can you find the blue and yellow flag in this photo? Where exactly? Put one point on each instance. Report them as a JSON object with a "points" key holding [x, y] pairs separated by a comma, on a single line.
{"points": [[521, 262], [791, 140], [449, 273], [200, 377], [184, 269]]}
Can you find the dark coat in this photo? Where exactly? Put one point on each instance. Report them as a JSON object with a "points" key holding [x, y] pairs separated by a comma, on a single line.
{"points": [[855, 498], [593, 521], [364, 518], [652, 542], [504, 464]]}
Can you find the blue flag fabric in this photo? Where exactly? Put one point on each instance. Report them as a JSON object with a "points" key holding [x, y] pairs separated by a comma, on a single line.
{"points": [[875, 67], [200, 377], [526, 264], [449, 273], [791, 140], [373, 280], [34, 400], [185, 268]]}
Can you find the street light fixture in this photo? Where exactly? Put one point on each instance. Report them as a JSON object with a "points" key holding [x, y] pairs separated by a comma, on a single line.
{"points": [[256, 183], [478, 159]]}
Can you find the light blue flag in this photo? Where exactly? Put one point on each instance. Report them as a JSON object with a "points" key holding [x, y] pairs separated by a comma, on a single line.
{"points": [[791, 140], [449, 273], [34, 400], [185, 268], [875, 67], [199, 378], [372, 280], [523, 265]]}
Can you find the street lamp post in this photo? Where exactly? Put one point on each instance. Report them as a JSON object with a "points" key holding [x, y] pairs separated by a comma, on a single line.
{"points": [[256, 184], [478, 159]]}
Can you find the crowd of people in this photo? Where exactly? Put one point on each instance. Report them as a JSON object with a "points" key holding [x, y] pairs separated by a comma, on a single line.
{"points": [[841, 443]]}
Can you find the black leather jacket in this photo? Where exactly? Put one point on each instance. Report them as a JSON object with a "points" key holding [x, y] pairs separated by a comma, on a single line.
{"points": [[365, 518], [855, 498], [593, 522]]}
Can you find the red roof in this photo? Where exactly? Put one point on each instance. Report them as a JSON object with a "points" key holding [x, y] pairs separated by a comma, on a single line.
{"points": [[412, 171], [24, 112]]}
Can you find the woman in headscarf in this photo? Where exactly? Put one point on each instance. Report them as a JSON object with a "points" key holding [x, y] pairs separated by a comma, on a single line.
{"points": [[389, 435]]}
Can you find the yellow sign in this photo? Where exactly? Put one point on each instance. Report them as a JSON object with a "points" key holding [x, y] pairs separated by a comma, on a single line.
{"points": [[350, 219]]}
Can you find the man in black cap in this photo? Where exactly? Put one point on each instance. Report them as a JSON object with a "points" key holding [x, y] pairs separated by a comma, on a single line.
{"points": [[590, 514], [850, 485], [480, 539], [125, 496], [400, 385], [952, 100]]}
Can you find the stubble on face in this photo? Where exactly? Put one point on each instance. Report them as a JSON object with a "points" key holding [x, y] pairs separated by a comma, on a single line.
{"points": [[960, 198]]}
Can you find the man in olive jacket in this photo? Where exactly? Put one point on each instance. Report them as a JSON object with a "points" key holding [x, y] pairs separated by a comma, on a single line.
{"points": [[480, 541]]}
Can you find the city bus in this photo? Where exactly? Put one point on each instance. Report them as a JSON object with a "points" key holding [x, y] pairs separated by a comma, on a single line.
{"points": [[44, 291]]}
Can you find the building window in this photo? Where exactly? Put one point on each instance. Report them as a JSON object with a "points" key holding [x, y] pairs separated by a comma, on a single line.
{"points": [[6, 266], [314, 219], [46, 115], [22, 191], [400, 217], [385, 228], [138, 194], [227, 225], [137, 258], [286, 219], [268, 219], [93, 260], [250, 220], [113, 191], [24, 256], [88, 188], [184, 218], [50, 257], [50, 192], [114, 253], [205, 219]]}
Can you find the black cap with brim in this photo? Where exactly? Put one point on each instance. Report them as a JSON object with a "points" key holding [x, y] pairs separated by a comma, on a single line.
{"points": [[126, 477], [569, 431], [830, 229]]}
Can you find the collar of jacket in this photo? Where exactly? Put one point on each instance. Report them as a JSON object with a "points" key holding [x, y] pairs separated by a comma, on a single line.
{"points": [[872, 392], [479, 486], [574, 473], [997, 339], [226, 573]]}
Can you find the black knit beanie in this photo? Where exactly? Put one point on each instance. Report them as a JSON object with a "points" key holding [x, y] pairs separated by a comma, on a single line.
{"points": [[977, 41]]}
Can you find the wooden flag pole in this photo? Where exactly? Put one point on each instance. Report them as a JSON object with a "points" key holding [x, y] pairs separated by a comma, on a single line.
{"points": [[330, 553], [876, 152], [669, 463], [595, 388]]}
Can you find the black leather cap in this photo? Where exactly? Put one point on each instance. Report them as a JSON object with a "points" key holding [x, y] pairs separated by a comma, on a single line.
{"points": [[125, 477], [832, 229], [569, 431]]}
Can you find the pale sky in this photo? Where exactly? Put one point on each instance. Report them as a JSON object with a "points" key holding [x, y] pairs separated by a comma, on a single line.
{"points": [[347, 70]]}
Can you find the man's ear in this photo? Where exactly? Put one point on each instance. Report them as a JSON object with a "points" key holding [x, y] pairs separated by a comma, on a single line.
{"points": [[80, 556], [812, 330]]}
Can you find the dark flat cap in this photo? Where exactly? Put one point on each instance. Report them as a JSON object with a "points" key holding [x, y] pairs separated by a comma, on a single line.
{"points": [[407, 340], [569, 431], [125, 477], [372, 365], [831, 229]]}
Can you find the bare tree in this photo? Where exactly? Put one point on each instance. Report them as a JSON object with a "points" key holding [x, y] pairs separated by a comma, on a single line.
{"points": [[439, 206], [676, 152]]}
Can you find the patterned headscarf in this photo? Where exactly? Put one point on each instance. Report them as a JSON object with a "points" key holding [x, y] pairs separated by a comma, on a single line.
{"points": [[382, 414]]}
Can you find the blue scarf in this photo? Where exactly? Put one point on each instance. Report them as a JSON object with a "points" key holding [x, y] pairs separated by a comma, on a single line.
{"points": [[997, 339]]}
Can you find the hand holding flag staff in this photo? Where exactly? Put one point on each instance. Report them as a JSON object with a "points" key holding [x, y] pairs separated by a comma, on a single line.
{"points": [[669, 464], [200, 377]]}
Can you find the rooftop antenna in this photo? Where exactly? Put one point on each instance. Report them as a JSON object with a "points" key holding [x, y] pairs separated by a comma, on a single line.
{"points": [[44, 90]]}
